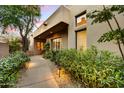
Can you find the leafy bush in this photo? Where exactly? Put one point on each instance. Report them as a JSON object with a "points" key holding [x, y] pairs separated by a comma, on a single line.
{"points": [[93, 67], [14, 45], [9, 67]]}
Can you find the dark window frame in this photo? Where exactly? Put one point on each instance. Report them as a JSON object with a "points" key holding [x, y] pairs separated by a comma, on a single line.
{"points": [[84, 29], [55, 42], [78, 15]]}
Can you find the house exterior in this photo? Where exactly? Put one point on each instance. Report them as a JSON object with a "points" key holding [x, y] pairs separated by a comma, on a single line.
{"points": [[68, 28], [4, 47]]}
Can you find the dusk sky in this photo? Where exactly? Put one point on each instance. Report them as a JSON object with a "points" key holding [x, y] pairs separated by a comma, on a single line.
{"points": [[46, 11]]}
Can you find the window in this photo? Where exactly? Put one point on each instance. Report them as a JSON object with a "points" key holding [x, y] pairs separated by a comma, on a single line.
{"points": [[81, 40], [81, 19], [39, 45], [57, 44]]}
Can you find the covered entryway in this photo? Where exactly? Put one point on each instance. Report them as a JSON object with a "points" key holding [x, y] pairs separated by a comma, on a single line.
{"points": [[57, 36]]}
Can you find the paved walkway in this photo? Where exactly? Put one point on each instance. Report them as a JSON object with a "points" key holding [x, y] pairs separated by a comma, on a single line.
{"points": [[38, 75]]}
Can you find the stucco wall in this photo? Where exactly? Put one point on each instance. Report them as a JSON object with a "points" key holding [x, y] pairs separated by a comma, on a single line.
{"points": [[93, 31], [4, 50], [61, 15], [31, 45], [68, 13], [74, 10]]}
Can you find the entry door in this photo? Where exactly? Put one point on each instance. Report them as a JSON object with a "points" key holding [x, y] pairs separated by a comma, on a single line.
{"points": [[39, 45], [81, 40], [57, 44]]}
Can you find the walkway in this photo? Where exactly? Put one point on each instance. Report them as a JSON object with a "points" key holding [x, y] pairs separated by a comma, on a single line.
{"points": [[38, 75]]}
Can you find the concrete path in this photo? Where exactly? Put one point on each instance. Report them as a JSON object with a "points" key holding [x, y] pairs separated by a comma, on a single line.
{"points": [[38, 75]]}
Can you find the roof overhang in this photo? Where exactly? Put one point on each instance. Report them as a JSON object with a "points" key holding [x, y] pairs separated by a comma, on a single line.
{"points": [[57, 28]]}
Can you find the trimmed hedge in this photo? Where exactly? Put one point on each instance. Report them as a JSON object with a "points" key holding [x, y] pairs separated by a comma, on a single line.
{"points": [[92, 68], [9, 68]]}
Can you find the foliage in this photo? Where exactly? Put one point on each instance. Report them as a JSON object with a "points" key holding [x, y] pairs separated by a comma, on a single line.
{"points": [[20, 17], [14, 45], [93, 67], [111, 35], [118, 8], [47, 53], [100, 16], [9, 68], [105, 15], [47, 46]]}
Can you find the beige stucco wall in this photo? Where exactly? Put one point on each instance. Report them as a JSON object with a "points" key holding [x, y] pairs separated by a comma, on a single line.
{"points": [[93, 31], [74, 10], [67, 14], [4, 49], [61, 15], [31, 44]]}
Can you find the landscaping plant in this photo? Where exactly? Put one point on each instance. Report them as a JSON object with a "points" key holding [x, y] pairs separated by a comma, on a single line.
{"points": [[93, 68], [14, 45], [9, 68], [106, 15], [21, 18]]}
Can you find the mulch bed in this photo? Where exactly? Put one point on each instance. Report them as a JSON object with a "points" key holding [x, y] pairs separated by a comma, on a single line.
{"points": [[63, 78]]}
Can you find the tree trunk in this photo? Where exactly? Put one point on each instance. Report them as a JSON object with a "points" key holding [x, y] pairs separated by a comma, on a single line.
{"points": [[122, 35], [25, 44], [118, 42], [119, 45]]}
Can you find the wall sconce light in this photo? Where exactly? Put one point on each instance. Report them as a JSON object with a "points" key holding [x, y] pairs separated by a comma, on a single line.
{"points": [[51, 32], [45, 23], [31, 34]]}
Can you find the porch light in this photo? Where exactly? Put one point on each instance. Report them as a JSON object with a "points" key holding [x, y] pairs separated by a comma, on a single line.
{"points": [[30, 65], [31, 34], [59, 70], [51, 32], [45, 23]]}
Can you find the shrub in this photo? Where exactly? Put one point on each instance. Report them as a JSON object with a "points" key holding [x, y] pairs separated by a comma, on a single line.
{"points": [[93, 67], [14, 45], [9, 67]]}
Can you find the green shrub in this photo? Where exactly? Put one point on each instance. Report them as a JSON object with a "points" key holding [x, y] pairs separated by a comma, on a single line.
{"points": [[14, 45], [9, 67], [93, 67]]}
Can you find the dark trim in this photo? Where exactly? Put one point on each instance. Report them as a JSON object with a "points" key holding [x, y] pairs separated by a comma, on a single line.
{"points": [[82, 13], [56, 38], [76, 35], [81, 29], [55, 29], [75, 39]]}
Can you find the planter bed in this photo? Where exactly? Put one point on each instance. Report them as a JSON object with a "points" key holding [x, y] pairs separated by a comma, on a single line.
{"points": [[9, 68], [92, 68]]}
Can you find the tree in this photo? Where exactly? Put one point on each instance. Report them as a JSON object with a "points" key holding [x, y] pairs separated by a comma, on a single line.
{"points": [[105, 15], [22, 18]]}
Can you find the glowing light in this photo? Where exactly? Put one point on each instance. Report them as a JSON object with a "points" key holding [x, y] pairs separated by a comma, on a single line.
{"points": [[30, 65]]}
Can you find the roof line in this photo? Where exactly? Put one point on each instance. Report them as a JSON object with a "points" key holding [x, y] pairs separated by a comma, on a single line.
{"points": [[50, 16]]}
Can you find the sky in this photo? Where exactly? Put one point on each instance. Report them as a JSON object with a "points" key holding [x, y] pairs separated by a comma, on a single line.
{"points": [[46, 11]]}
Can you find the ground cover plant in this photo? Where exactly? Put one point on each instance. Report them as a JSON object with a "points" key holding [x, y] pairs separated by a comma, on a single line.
{"points": [[92, 68], [9, 68]]}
